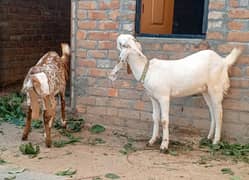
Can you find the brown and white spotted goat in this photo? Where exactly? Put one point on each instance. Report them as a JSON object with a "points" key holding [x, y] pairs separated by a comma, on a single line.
{"points": [[43, 82]]}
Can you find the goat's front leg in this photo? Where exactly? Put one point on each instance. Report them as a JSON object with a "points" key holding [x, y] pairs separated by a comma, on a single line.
{"points": [[156, 118], [164, 106], [27, 125], [63, 104]]}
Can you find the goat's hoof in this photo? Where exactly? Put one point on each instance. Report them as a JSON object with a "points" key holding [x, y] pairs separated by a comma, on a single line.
{"points": [[48, 143], [24, 138], [149, 144], [164, 151], [216, 141], [64, 124]]}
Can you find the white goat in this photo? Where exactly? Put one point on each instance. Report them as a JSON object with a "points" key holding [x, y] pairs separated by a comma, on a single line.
{"points": [[203, 72]]}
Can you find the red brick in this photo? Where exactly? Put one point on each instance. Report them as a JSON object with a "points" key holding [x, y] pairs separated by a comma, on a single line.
{"points": [[87, 25], [121, 103], [90, 100], [235, 25], [114, 4], [123, 113], [112, 92], [87, 62], [239, 105], [113, 54], [234, 93], [81, 53], [239, 83], [235, 71], [227, 48], [233, 3], [243, 59], [238, 36], [239, 13], [96, 110], [99, 35], [87, 5], [114, 15], [247, 71], [215, 35], [97, 91], [108, 25], [123, 84], [139, 105], [97, 15], [80, 109], [97, 72], [132, 6], [113, 35], [106, 45], [81, 35], [97, 53], [152, 46], [82, 14], [173, 47], [112, 111], [216, 5], [87, 44]]}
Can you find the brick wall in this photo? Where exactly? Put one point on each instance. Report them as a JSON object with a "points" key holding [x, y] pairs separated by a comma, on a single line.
{"points": [[124, 103], [29, 29]]}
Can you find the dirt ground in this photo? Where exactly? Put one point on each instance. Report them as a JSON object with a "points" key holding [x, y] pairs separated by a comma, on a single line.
{"points": [[93, 160]]}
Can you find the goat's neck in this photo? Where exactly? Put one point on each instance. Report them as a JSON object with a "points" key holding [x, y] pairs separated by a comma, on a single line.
{"points": [[137, 64]]}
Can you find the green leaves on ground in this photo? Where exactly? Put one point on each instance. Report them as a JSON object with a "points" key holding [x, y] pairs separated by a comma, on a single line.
{"points": [[71, 139], [235, 178], [29, 149], [97, 128], [96, 178], [112, 176], [11, 110], [66, 172], [227, 171], [75, 125], [128, 148], [17, 170], [96, 141], [11, 177], [237, 152], [2, 161]]}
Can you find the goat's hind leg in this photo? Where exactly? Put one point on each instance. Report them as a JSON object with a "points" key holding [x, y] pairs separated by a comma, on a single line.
{"points": [[156, 119], [63, 104], [216, 98], [211, 112], [27, 127], [48, 118]]}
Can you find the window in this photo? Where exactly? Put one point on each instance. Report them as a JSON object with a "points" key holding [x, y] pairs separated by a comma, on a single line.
{"points": [[171, 18]]}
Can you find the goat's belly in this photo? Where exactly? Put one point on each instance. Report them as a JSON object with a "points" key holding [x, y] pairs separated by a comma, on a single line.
{"points": [[187, 92]]}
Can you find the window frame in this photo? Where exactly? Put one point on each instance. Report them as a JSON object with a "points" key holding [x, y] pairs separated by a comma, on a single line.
{"points": [[190, 36]]}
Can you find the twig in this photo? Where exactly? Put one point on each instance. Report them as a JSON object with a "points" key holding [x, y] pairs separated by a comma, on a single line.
{"points": [[87, 177]]}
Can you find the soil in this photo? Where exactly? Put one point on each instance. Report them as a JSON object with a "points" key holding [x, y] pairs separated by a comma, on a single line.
{"points": [[93, 160]]}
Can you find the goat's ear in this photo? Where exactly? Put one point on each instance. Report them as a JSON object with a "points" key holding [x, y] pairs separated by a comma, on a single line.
{"points": [[128, 69]]}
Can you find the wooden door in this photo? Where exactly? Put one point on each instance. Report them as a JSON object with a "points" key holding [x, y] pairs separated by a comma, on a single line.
{"points": [[157, 16]]}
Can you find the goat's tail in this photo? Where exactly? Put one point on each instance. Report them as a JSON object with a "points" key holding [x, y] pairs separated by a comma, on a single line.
{"points": [[65, 49], [233, 56]]}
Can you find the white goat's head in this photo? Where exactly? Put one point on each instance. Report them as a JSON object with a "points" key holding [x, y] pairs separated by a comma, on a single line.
{"points": [[125, 43]]}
